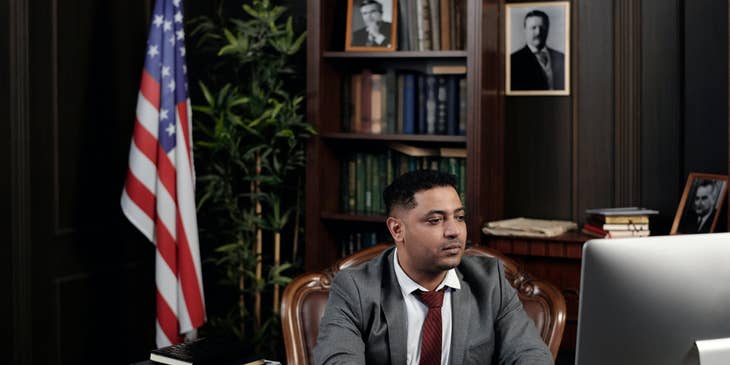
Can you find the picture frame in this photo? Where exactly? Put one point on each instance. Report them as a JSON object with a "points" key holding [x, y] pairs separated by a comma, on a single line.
{"points": [[702, 200], [546, 70], [360, 37]]}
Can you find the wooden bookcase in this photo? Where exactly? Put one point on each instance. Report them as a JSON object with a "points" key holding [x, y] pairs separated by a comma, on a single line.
{"points": [[327, 63]]}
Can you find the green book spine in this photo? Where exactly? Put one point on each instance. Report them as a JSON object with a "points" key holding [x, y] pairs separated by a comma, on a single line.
{"points": [[390, 167], [351, 185], [369, 173], [360, 182], [343, 186], [382, 183]]}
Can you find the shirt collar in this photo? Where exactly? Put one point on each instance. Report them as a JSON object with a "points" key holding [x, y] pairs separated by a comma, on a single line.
{"points": [[408, 286], [535, 50]]}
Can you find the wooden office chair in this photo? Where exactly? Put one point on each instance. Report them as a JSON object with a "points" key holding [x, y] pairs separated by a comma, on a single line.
{"points": [[304, 299]]}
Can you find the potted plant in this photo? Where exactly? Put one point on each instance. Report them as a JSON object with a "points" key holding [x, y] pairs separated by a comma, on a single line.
{"points": [[250, 155]]}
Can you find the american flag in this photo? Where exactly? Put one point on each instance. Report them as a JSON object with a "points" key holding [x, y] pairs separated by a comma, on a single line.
{"points": [[158, 196]]}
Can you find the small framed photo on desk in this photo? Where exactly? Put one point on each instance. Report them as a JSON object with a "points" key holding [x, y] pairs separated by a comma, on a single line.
{"points": [[700, 205], [371, 25]]}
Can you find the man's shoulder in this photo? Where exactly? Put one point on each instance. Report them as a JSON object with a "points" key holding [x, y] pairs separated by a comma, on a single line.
{"points": [[525, 50], [371, 267], [478, 265], [555, 52]]}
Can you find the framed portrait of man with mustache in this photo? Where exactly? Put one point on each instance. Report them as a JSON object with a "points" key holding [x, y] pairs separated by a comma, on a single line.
{"points": [[371, 25], [537, 48]]}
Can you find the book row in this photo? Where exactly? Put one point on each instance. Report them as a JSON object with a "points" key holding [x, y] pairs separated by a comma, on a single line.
{"points": [[365, 175], [404, 102], [431, 25], [356, 241]]}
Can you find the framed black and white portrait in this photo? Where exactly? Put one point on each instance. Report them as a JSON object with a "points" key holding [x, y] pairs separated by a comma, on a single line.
{"points": [[700, 205], [538, 48], [371, 25]]}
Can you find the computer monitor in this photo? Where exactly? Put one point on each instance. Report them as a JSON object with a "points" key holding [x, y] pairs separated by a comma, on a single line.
{"points": [[646, 300]]}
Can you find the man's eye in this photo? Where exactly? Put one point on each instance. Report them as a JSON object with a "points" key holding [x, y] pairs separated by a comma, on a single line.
{"points": [[434, 220], [460, 218]]}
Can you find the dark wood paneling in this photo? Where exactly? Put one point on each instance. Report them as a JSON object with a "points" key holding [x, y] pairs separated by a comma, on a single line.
{"points": [[82, 299], [538, 139], [595, 107], [6, 250], [705, 87], [627, 102], [661, 109], [86, 58], [19, 193]]}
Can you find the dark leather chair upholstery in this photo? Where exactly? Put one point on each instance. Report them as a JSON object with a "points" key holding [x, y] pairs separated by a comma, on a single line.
{"points": [[304, 300]]}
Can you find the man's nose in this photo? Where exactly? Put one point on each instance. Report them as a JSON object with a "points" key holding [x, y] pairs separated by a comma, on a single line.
{"points": [[452, 229]]}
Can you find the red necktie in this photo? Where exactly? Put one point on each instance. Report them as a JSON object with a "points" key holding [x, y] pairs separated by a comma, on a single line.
{"points": [[431, 331]]}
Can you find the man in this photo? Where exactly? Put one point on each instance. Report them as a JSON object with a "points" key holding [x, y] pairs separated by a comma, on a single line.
{"points": [[698, 217], [536, 66], [421, 302], [376, 32]]}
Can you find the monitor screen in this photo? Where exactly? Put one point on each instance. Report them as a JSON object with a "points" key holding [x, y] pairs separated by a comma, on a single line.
{"points": [[646, 300]]}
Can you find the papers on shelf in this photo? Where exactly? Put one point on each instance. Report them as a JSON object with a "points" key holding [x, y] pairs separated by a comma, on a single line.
{"points": [[526, 227]]}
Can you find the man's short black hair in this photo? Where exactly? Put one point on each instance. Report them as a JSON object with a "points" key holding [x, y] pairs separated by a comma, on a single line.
{"points": [[372, 2], [401, 191], [537, 13]]}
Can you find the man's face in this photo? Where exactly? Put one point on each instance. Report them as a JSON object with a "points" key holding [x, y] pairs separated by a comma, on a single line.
{"points": [[433, 234], [370, 14], [536, 31], [703, 200]]}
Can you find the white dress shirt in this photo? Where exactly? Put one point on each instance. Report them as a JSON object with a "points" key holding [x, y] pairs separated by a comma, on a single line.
{"points": [[415, 312]]}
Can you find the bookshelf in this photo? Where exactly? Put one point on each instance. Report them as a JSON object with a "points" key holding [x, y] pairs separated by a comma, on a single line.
{"points": [[329, 66]]}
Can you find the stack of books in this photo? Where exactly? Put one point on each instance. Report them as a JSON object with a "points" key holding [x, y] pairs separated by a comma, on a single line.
{"points": [[224, 350], [618, 222]]}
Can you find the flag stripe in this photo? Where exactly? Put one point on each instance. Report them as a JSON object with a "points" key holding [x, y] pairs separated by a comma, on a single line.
{"points": [[166, 282], [145, 142], [189, 280], [144, 170], [140, 195], [147, 115], [166, 174], [150, 88], [166, 246], [182, 112], [167, 320], [139, 218]]}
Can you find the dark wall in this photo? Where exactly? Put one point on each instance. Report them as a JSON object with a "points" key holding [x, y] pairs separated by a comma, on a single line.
{"points": [[661, 109], [81, 276], [705, 62], [6, 272], [566, 154]]}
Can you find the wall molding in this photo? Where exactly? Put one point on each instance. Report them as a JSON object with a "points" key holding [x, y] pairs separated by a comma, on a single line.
{"points": [[627, 102]]}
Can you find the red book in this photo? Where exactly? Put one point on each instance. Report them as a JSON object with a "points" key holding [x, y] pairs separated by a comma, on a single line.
{"points": [[593, 230]]}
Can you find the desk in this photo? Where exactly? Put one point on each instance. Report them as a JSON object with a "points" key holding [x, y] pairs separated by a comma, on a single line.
{"points": [[554, 259]]}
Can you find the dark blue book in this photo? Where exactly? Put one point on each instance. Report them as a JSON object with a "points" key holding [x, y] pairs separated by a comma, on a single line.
{"points": [[421, 105], [409, 103], [452, 105]]}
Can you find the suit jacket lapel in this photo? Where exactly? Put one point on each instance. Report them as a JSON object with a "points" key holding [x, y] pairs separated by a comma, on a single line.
{"points": [[394, 313], [460, 314]]}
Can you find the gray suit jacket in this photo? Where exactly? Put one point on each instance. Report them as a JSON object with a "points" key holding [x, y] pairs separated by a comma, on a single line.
{"points": [[364, 321]]}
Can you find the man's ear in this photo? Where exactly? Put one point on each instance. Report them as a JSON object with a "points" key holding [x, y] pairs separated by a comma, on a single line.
{"points": [[395, 226]]}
